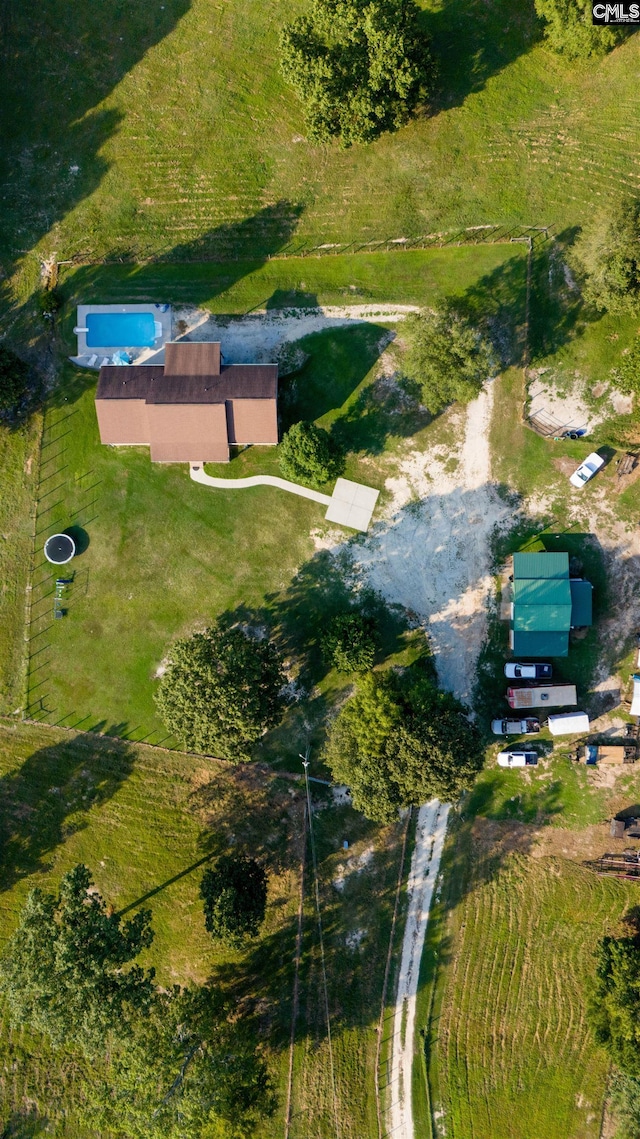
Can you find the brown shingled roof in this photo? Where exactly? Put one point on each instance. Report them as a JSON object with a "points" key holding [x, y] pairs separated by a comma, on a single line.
{"points": [[150, 382], [186, 358]]}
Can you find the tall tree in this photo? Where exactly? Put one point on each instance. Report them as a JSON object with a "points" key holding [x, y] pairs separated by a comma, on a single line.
{"points": [[235, 898], [63, 972], [221, 691], [359, 67], [400, 741], [569, 30], [447, 357], [189, 1072], [610, 254]]}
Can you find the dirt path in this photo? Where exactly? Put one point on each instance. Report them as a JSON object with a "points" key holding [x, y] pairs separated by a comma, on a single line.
{"points": [[430, 832], [432, 555], [256, 337], [432, 552]]}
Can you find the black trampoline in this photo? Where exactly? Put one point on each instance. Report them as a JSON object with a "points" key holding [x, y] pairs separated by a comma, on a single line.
{"points": [[59, 549]]}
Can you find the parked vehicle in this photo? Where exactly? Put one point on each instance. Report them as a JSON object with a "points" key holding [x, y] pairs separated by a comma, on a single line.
{"points": [[540, 696], [517, 758], [587, 470], [568, 724], [635, 700], [515, 671], [527, 727], [611, 755]]}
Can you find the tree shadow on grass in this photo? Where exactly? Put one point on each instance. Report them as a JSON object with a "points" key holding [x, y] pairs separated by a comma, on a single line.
{"points": [[59, 65], [48, 798], [474, 41], [339, 360], [357, 894], [497, 302]]}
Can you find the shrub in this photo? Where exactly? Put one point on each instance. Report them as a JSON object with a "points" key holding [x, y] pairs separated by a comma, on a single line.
{"points": [[221, 691], [628, 374], [349, 644], [49, 303], [569, 30], [309, 454], [235, 899], [14, 380], [360, 67], [447, 358]]}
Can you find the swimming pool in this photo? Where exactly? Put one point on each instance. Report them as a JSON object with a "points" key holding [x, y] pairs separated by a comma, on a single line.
{"points": [[120, 330]]}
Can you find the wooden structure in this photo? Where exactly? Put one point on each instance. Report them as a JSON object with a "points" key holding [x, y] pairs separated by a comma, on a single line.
{"points": [[626, 464], [623, 865]]}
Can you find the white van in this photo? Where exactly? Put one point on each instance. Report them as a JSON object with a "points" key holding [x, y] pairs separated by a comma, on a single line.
{"points": [[568, 724]]}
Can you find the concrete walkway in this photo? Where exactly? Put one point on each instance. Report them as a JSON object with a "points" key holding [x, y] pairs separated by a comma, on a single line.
{"points": [[199, 475], [351, 503]]}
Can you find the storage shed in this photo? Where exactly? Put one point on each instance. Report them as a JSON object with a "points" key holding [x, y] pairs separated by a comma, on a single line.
{"points": [[546, 605]]}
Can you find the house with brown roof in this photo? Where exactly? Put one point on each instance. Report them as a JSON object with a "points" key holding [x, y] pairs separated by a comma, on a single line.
{"points": [[191, 408]]}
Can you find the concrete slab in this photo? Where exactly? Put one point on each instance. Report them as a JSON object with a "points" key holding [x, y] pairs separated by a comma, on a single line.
{"points": [[92, 357], [352, 504]]}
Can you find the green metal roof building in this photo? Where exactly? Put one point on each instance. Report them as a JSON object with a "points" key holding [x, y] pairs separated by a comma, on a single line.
{"points": [[546, 605]]}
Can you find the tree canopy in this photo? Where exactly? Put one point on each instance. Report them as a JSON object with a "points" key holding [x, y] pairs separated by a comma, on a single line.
{"points": [[158, 1063], [186, 1073], [400, 741], [360, 67], [310, 454], [14, 380], [222, 689], [568, 29], [447, 357], [349, 643], [614, 1008], [63, 972], [610, 254], [235, 898]]}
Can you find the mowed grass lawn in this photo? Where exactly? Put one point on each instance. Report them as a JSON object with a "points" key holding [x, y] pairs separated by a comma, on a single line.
{"points": [[143, 131], [510, 956], [142, 820], [160, 555], [511, 1054]]}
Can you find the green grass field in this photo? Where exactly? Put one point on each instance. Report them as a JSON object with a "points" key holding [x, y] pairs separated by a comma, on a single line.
{"points": [[514, 1055], [164, 141], [160, 555], [142, 820], [137, 132]]}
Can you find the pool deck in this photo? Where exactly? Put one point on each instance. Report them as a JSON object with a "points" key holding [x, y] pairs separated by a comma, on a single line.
{"points": [[94, 357]]}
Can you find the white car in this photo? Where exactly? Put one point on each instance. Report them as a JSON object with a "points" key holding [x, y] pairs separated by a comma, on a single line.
{"points": [[515, 671], [517, 758], [587, 469]]}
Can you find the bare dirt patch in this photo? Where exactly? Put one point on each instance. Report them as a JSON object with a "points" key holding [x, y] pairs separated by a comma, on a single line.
{"points": [[431, 551], [255, 338]]}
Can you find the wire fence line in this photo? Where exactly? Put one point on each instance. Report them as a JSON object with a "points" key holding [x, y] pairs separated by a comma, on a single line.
{"points": [[314, 864], [490, 234]]}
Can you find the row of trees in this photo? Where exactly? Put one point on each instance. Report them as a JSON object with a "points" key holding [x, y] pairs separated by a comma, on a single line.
{"points": [[614, 1012], [398, 740], [159, 1062], [361, 67]]}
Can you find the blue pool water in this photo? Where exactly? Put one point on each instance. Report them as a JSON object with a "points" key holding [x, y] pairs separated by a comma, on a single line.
{"points": [[120, 330]]}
